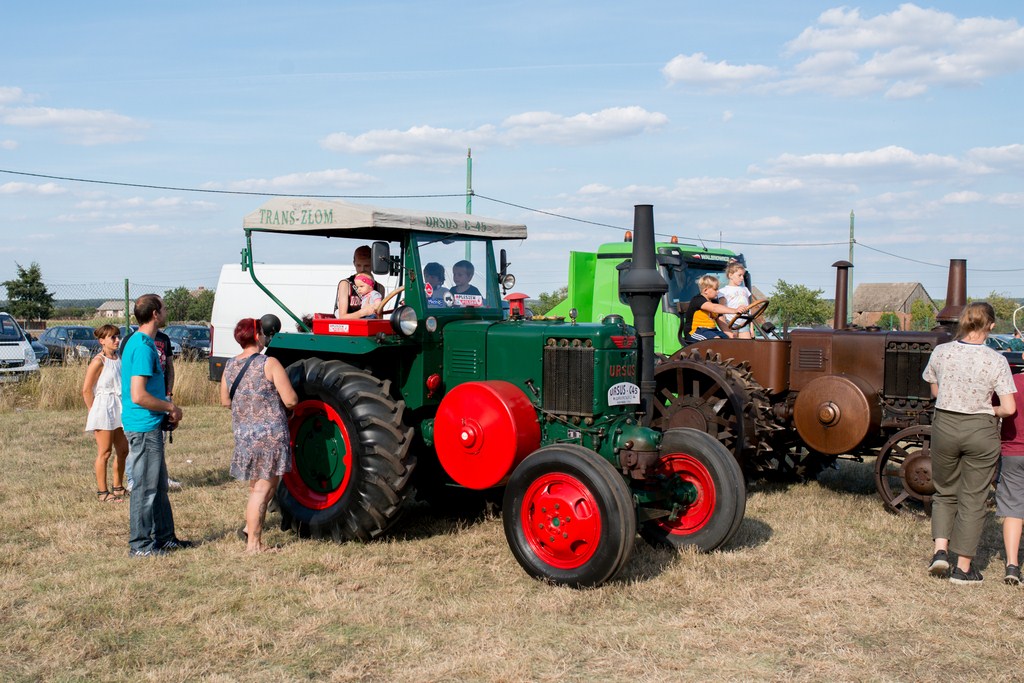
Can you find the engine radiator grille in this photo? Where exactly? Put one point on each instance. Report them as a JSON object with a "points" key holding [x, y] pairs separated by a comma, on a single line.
{"points": [[569, 377], [904, 363]]}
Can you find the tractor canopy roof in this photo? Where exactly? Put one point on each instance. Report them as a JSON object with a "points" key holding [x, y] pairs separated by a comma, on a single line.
{"points": [[334, 218]]}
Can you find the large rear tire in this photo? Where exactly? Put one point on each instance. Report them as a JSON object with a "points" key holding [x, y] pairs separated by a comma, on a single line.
{"points": [[351, 464], [569, 516], [702, 486]]}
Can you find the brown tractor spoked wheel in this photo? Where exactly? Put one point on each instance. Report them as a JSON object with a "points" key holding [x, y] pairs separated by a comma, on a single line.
{"points": [[351, 463], [699, 391], [903, 472], [700, 486], [569, 516]]}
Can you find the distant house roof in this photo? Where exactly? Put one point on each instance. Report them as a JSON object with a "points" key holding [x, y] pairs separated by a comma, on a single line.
{"points": [[112, 305], [888, 296]]}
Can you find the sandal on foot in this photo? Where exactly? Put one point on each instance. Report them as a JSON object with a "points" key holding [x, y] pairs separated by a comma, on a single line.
{"points": [[105, 497], [119, 493]]}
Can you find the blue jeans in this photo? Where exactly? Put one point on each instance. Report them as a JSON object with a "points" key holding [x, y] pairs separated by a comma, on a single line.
{"points": [[150, 519]]}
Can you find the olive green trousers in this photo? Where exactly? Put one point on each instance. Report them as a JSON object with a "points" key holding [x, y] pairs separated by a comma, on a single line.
{"points": [[965, 452]]}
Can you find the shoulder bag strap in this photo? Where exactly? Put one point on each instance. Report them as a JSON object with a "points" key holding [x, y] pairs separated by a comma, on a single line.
{"points": [[238, 378]]}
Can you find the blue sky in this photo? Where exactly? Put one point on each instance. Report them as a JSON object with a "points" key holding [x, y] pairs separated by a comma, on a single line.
{"points": [[751, 125]]}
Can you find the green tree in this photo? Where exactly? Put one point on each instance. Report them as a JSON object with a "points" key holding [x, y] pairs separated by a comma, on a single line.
{"points": [[1004, 307], [797, 305], [201, 307], [27, 296], [548, 300], [177, 301], [889, 321], [922, 316]]}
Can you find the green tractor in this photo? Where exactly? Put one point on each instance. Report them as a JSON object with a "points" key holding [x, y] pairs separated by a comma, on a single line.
{"points": [[439, 395], [593, 284]]}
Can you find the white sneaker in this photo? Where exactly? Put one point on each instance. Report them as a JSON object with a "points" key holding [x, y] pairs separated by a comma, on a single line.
{"points": [[173, 485]]}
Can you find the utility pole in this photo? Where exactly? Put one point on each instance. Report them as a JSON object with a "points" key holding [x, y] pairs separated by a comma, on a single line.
{"points": [[469, 180], [849, 284]]}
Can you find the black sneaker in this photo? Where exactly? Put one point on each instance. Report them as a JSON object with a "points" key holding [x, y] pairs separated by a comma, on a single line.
{"points": [[155, 552], [176, 544], [940, 563], [972, 576], [1012, 577]]}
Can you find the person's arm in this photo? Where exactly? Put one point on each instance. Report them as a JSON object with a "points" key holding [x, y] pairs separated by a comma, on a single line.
{"points": [[92, 375], [143, 398], [274, 371], [1007, 406], [169, 372], [344, 295], [712, 307], [935, 389], [225, 394]]}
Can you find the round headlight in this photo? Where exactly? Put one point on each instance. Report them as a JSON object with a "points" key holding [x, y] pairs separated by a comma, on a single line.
{"points": [[404, 321], [83, 351], [431, 324], [509, 281]]}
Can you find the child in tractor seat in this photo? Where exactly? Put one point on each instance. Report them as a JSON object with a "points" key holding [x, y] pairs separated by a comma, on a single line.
{"points": [[369, 298], [1010, 488], [735, 294], [704, 309]]}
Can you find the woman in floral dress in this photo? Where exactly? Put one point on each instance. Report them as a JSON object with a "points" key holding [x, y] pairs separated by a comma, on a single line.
{"points": [[258, 401]]}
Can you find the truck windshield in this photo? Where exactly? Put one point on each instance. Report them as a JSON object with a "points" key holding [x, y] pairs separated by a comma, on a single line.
{"points": [[682, 282], [455, 272]]}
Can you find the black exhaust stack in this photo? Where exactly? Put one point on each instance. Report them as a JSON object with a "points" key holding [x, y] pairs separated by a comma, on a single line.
{"points": [[842, 287], [642, 286]]}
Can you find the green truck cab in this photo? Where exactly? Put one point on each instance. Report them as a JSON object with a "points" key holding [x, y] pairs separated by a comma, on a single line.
{"points": [[594, 292], [440, 393]]}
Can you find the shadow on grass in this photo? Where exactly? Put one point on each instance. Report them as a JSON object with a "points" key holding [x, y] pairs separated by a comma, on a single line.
{"points": [[214, 476]]}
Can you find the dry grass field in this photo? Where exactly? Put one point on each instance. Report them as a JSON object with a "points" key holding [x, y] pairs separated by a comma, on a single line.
{"points": [[819, 584]]}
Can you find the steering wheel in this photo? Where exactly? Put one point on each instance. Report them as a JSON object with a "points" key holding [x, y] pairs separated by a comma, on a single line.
{"points": [[743, 319], [385, 300]]}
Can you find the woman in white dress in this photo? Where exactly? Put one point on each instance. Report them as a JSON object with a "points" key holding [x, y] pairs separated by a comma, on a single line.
{"points": [[102, 393]]}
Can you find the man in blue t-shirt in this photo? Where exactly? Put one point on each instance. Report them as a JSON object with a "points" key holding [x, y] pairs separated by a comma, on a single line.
{"points": [[144, 404]]}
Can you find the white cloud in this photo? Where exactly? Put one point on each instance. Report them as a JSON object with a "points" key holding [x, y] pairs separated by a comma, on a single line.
{"points": [[299, 182], [965, 197], [10, 95], [893, 158], [697, 69], [542, 127], [899, 55], [427, 143], [33, 189], [130, 229], [8, 144], [79, 126], [727, 116]]}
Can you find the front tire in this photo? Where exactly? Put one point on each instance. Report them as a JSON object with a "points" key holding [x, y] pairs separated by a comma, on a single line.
{"points": [[701, 485], [569, 516], [351, 464]]}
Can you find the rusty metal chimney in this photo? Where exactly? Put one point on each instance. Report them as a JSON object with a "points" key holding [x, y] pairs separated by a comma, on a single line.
{"points": [[842, 286], [956, 293]]}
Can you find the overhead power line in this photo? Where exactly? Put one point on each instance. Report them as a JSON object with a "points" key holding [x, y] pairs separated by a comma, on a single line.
{"points": [[172, 188]]}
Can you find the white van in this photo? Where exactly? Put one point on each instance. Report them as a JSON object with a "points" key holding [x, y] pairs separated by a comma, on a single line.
{"points": [[303, 288], [17, 359]]}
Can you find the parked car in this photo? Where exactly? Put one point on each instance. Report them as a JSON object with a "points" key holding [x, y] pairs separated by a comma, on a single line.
{"points": [[1005, 342], [193, 341], [38, 348], [175, 347], [70, 343], [17, 360], [1010, 347]]}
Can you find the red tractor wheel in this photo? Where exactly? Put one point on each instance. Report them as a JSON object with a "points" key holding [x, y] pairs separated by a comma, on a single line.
{"points": [[700, 485], [569, 517], [351, 465]]}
